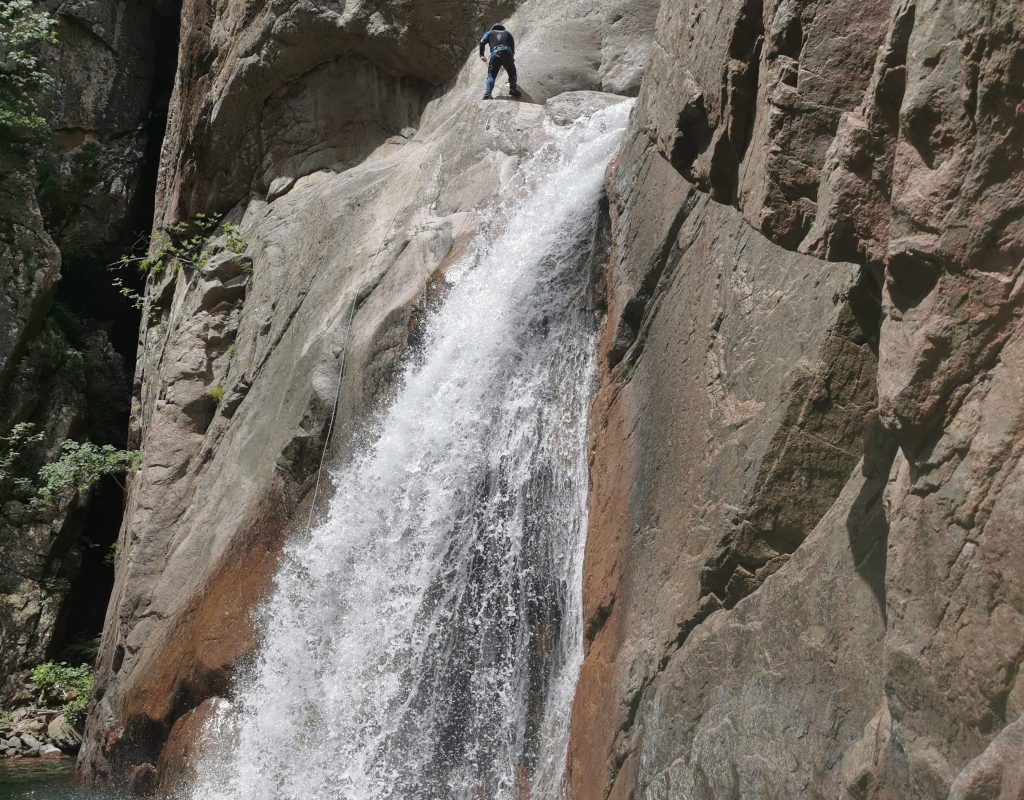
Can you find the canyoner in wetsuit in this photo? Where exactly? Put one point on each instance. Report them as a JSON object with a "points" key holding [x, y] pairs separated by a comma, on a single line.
{"points": [[503, 54]]}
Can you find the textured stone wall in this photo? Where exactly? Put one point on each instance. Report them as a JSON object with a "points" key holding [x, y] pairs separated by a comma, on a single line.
{"points": [[803, 574], [352, 148], [66, 207], [807, 581]]}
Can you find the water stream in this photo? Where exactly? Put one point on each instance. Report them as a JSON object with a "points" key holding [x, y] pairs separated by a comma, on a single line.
{"points": [[423, 642]]}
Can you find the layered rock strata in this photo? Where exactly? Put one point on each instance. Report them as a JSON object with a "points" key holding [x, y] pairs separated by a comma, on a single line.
{"points": [[804, 569]]}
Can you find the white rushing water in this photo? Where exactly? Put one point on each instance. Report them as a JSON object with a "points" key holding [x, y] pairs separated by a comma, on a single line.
{"points": [[423, 642]]}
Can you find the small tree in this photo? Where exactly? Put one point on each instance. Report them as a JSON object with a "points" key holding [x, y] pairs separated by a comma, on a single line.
{"points": [[81, 466], [23, 32]]}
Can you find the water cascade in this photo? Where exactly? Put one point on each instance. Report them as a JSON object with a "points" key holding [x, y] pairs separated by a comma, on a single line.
{"points": [[425, 639]]}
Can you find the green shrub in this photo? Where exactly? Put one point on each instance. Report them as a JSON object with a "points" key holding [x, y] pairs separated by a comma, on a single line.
{"points": [[81, 466], [234, 241], [217, 393], [14, 480], [23, 32], [60, 683]]}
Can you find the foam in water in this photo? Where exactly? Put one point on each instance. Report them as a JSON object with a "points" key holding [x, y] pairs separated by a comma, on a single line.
{"points": [[424, 641]]}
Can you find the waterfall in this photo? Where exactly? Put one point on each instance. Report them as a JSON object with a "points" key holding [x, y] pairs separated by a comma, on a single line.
{"points": [[423, 642]]}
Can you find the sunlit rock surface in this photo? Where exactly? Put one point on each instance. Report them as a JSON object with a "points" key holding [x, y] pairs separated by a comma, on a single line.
{"points": [[808, 579], [352, 211], [803, 574]]}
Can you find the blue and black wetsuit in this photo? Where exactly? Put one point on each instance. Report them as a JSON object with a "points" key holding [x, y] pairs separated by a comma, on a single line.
{"points": [[503, 54]]}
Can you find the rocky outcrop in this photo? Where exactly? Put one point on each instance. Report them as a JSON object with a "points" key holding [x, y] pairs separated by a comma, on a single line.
{"points": [[279, 90], [349, 147], [803, 572], [803, 568], [66, 207], [112, 70]]}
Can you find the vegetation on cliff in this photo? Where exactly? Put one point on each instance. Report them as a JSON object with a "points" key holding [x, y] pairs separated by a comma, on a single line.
{"points": [[81, 466], [23, 32]]}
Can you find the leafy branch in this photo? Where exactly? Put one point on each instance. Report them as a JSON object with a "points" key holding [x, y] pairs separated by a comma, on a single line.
{"points": [[23, 32], [186, 243], [81, 466]]}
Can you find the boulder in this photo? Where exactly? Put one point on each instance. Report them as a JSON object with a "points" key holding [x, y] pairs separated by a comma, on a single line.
{"points": [[63, 735], [30, 742]]}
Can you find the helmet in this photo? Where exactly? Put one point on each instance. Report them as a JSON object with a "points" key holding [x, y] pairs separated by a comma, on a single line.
{"points": [[498, 27]]}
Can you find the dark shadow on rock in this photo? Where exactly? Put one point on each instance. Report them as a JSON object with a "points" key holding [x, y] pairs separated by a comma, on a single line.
{"points": [[524, 96], [867, 524]]}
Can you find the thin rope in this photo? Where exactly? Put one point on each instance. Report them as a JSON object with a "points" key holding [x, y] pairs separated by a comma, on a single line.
{"points": [[334, 413], [341, 379], [348, 332]]}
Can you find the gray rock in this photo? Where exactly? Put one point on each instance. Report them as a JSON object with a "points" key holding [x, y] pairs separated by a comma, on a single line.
{"points": [[225, 266], [566, 108], [63, 735], [14, 743], [871, 133], [280, 187], [369, 225], [31, 742]]}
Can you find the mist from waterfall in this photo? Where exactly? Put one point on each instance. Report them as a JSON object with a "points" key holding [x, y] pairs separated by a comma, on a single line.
{"points": [[423, 642]]}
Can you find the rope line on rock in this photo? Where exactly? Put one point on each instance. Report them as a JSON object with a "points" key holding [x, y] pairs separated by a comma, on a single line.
{"points": [[334, 413], [348, 333], [341, 379]]}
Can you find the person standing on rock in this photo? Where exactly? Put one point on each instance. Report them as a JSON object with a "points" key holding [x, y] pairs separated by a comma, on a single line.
{"points": [[503, 54]]}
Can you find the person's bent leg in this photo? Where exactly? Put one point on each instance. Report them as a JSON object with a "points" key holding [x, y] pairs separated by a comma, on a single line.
{"points": [[492, 73], [513, 82]]}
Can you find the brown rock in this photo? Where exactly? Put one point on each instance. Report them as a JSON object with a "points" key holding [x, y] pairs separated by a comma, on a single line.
{"points": [[888, 134], [143, 780], [189, 738], [342, 264], [772, 372], [996, 774]]}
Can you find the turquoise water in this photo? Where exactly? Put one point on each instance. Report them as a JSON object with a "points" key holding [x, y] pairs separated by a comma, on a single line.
{"points": [[43, 779]]}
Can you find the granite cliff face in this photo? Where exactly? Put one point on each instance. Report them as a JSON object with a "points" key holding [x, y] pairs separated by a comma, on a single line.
{"points": [[803, 573], [808, 581], [349, 147]]}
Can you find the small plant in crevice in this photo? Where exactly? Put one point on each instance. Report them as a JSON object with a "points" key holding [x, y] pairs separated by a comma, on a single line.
{"points": [[217, 394], [60, 683], [185, 242], [234, 241], [181, 244]]}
